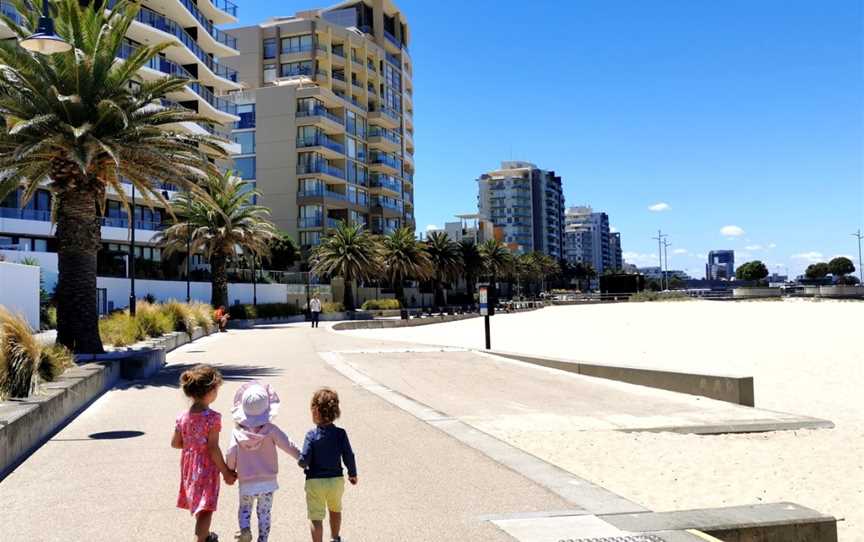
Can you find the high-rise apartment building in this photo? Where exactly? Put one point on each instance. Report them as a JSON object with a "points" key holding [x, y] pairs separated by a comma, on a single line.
{"points": [[616, 255], [587, 239], [721, 265], [527, 204], [327, 118], [198, 47]]}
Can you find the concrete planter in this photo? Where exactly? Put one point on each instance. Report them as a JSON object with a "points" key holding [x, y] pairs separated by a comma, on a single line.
{"points": [[811, 290], [756, 293], [26, 423], [325, 317], [842, 292]]}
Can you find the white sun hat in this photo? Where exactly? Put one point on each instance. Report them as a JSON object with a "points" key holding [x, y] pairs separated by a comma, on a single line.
{"points": [[255, 404]]}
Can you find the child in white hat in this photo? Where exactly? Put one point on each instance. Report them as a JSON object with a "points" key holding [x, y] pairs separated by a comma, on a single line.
{"points": [[252, 454]]}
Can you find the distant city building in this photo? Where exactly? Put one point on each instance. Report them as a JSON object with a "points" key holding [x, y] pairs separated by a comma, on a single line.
{"points": [[615, 254], [721, 265], [470, 227], [527, 205], [630, 269], [656, 273], [587, 240]]}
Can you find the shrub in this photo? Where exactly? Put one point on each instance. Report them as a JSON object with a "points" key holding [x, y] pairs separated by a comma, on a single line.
{"points": [[203, 315], [120, 329], [381, 305], [840, 267], [48, 315], [24, 362], [332, 306], [153, 321], [649, 295], [182, 315]]}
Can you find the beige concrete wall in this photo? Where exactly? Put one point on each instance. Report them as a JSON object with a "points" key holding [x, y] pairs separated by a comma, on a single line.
{"points": [[276, 154], [249, 63]]}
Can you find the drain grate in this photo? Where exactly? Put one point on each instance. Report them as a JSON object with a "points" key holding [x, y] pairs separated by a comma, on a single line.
{"points": [[636, 538]]}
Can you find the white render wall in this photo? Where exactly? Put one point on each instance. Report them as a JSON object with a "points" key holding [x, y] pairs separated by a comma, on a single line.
{"points": [[117, 290], [19, 291]]}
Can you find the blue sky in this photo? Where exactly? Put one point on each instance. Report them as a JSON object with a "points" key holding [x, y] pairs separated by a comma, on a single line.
{"points": [[744, 113]]}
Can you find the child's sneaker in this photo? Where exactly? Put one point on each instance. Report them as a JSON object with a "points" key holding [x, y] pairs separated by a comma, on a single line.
{"points": [[212, 537], [337, 539], [245, 535]]}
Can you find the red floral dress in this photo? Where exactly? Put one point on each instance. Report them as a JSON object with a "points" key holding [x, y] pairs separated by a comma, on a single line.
{"points": [[199, 476]]}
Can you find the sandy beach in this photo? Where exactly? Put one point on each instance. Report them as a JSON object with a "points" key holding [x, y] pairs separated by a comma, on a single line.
{"points": [[806, 357]]}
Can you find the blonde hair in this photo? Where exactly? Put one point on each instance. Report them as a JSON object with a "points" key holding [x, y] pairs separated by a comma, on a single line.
{"points": [[200, 380], [326, 403]]}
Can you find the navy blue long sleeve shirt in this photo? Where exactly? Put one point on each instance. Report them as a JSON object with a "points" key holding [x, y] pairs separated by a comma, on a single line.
{"points": [[325, 448]]}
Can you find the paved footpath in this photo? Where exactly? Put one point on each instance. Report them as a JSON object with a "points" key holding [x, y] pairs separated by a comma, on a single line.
{"points": [[416, 482]]}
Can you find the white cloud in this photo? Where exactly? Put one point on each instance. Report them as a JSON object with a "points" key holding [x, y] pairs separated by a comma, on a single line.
{"points": [[679, 251], [432, 227], [811, 256], [700, 256], [613, 229], [660, 207], [772, 245], [641, 260], [731, 231], [753, 248]]}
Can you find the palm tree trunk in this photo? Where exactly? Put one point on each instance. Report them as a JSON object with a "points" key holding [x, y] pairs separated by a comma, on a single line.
{"points": [[219, 282], [399, 288], [78, 241], [348, 295]]}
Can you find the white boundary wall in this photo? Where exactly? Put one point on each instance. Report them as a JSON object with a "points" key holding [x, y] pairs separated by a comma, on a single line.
{"points": [[19, 291], [117, 290]]}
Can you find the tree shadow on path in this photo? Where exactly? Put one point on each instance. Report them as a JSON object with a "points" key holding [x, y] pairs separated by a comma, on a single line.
{"points": [[169, 376]]}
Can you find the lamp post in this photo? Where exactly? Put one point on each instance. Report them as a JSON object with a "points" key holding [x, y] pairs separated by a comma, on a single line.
{"points": [[660, 240], [45, 40], [858, 235], [254, 280], [132, 297]]}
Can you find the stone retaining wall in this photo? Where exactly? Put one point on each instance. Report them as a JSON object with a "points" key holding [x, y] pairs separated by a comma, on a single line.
{"points": [[26, 424]]}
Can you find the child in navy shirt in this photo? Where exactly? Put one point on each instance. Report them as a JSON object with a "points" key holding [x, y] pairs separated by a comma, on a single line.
{"points": [[325, 449]]}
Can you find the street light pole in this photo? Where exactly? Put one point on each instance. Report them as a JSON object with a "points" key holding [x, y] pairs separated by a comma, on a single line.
{"points": [[132, 297], [666, 246], [858, 235], [660, 237], [254, 280]]}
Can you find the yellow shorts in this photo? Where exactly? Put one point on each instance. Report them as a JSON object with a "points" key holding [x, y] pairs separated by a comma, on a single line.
{"points": [[323, 494]]}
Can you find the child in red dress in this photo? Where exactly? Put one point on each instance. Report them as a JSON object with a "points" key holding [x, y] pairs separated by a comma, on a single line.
{"points": [[197, 434]]}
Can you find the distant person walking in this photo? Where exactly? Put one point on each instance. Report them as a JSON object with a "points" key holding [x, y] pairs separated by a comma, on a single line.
{"points": [[315, 310]]}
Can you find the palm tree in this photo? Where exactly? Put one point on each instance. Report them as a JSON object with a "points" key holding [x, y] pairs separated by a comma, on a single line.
{"points": [[349, 252], [496, 258], [548, 267], [446, 262], [222, 224], [472, 265], [404, 258], [76, 124]]}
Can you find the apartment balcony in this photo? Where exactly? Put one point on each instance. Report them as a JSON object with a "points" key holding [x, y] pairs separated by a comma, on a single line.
{"points": [[322, 170], [383, 139], [299, 52], [328, 198], [408, 180], [409, 121], [323, 145], [310, 222], [153, 27], [408, 199], [322, 118], [386, 209], [219, 11], [408, 161], [385, 184], [384, 163], [384, 116], [408, 96]]}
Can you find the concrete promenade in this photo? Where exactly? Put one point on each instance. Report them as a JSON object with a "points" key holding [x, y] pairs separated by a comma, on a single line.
{"points": [[415, 482], [423, 423]]}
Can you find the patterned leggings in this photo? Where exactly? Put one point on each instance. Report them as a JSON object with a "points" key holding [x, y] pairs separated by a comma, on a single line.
{"points": [[265, 503]]}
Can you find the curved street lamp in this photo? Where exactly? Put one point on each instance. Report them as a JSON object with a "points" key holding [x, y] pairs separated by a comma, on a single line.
{"points": [[45, 40]]}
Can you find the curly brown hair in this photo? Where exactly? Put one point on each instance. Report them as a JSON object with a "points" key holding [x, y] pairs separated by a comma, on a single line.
{"points": [[326, 403], [200, 380]]}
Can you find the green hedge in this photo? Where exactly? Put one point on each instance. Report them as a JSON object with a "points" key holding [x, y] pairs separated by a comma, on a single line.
{"points": [[265, 310]]}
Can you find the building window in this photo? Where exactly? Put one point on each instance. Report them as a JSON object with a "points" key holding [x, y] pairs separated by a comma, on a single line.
{"points": [[245, 167], [269, 73], [296, 44], [297, 68], [246, 140], [270, 49], [310, 238], [246, 112]]}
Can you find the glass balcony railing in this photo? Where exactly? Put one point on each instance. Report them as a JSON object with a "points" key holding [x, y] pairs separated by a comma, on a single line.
{"points": [[338, 52], [339, 76], [334, 223], [393, 59], [321, 112], [217, 34], [25, 214], [390, 112], [225, 5], [310, 222], [386, 182], [392, 39], [386, 159], [160, 22], [383, 133], [296, 49], [387, 203], [320, 167], [322, 193], [9, 10], [122, 222], [321, 140]]}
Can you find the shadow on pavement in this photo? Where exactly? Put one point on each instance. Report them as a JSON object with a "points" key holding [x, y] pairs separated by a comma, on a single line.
{"points": [[169, 377]]}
